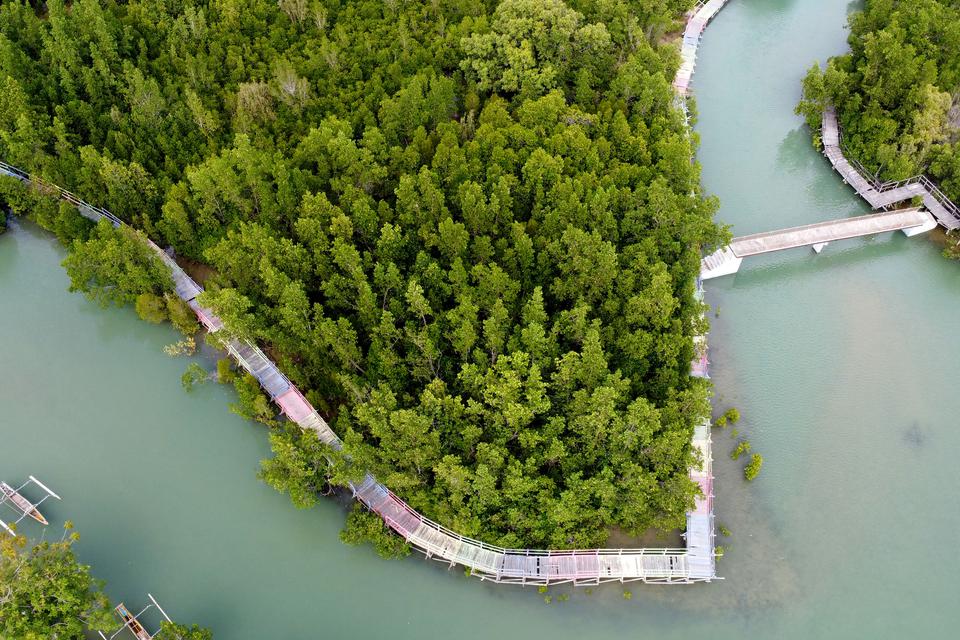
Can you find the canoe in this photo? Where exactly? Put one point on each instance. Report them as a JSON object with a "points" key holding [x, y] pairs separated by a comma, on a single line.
{"points": [[130, 621], [22, 503]]}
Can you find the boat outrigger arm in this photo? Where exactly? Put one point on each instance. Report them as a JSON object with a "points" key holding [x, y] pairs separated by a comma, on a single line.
{"points": [[132, 622], [19, 503]]}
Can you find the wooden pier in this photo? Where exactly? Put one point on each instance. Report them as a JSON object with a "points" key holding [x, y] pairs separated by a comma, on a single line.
{"points": [[695, 563], [881, 195]]}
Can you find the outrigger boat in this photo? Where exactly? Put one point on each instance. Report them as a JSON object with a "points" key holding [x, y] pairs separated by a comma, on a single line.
{"points": [[131, 621], [19, 503]]}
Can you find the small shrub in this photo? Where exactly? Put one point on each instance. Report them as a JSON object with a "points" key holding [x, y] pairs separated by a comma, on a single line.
{"points": [[548, 599], [363, 526], [225, 373], [252, 403], [753, 467], [563, 597], [718, 551], [543, 589], [627, 595], [724, 531], [193, 376], [184, 347], [732, 415], [151, 308], [741, 448], [181, 315], [720, 422]]}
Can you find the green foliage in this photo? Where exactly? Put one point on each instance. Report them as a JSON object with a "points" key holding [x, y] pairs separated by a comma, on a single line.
{"points": [[251, 403], [174, 631], [627, 595], [47, 593], [151, 307], [741, 448], [181, 315], [193, 376], [533, 46], [732, 415], [469, 230], [115, 266], [724, 531], [366, 527], [299, 466], [225, 372], [896, 90], [753, 467]]}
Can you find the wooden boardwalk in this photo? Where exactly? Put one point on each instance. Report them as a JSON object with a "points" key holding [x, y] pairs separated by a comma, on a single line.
{"points": [[699, 18], [881, 195], [695, 563]]}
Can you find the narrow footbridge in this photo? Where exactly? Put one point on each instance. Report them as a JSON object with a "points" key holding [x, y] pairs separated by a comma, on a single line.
{"points": [[727, 260]]}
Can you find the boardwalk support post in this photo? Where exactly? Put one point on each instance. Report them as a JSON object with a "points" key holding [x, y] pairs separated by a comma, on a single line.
{"points": [[927, 226]]}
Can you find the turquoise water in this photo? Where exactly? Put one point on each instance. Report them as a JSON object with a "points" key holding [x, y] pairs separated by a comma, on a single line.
{"points": [[842, 364]]}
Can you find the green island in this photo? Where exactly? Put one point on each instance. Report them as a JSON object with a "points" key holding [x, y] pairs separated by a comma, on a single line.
{"points": [[896, 91], [471, 231]]}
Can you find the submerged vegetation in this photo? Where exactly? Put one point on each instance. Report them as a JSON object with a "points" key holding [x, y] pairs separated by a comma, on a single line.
{"points": [[897, 92], [470, 230]]}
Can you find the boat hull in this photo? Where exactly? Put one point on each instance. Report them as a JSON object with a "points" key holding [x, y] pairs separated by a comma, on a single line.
{"points": [[22, 503]]}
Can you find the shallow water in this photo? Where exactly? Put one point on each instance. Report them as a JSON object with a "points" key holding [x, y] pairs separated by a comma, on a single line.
{"points": [[842, 364]]}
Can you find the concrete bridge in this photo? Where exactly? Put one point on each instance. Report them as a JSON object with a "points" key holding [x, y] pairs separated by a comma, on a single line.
{"points": [[727, 260]]}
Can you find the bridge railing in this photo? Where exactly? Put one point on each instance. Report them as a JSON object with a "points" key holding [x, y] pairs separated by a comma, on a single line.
{"points": [[61, 192], [881, 186], [523, 552]]}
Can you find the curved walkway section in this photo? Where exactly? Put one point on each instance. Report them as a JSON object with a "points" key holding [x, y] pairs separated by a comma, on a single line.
{"points": [[695, 563], [881, 195]]}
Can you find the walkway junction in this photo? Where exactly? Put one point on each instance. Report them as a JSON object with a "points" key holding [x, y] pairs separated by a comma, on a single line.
{"points": [[937, 210], [694, 563]]}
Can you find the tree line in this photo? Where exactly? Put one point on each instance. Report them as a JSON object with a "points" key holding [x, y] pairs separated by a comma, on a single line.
{"points": [[469, 230]]}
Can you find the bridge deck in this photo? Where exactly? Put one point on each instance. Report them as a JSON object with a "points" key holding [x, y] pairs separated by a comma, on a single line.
{"points": [[830, 231]]}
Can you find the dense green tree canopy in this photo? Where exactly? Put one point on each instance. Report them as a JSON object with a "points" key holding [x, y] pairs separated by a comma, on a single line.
{"points": [[46, 594], [470, 230], [898, 90]]}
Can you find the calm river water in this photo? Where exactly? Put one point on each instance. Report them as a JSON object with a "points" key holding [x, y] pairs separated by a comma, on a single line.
{"points": [[844, 366]]}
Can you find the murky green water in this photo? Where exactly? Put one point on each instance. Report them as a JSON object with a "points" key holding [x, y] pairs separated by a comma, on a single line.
{"points": [[844, 366]]}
